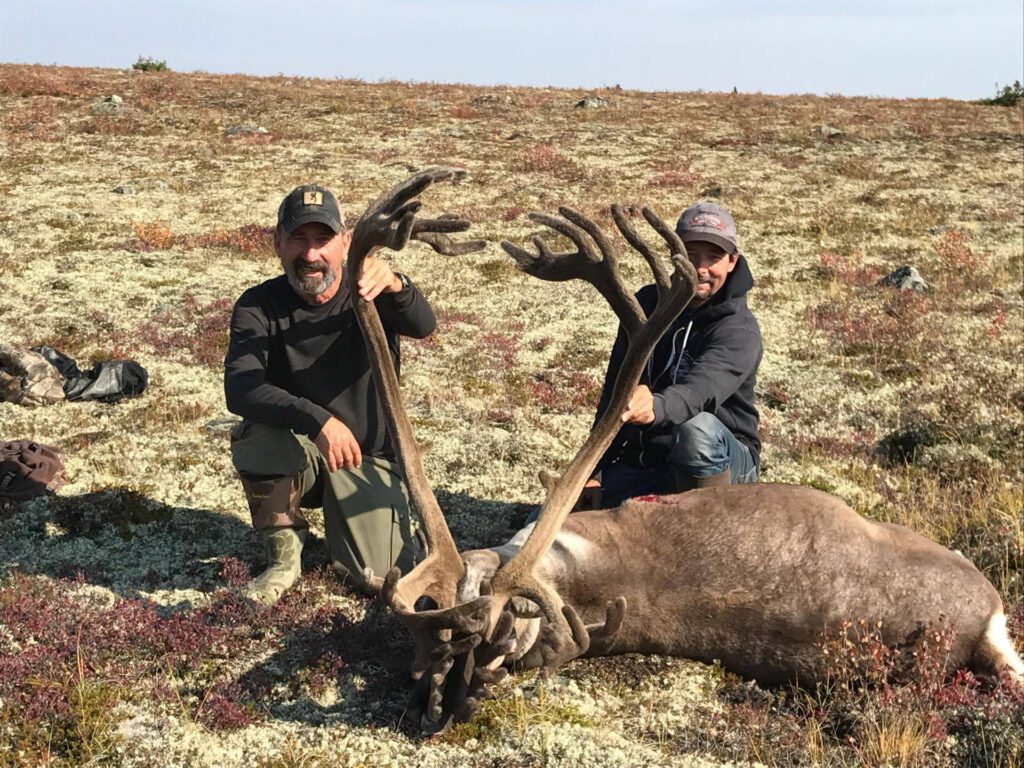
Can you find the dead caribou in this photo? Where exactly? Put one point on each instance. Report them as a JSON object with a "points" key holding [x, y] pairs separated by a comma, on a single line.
{"points": [[751, 575]]}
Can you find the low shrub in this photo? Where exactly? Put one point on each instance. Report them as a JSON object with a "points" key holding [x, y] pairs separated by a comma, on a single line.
{"points": [[66, 662], [250, 239], [542, 158], [191, 332], [149, 64], [882, 705], [1009, 96], [894, 337]]}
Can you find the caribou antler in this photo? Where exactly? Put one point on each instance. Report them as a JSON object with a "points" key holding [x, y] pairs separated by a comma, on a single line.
{"points": [[390, 222], [457, 647], [565, 637]]}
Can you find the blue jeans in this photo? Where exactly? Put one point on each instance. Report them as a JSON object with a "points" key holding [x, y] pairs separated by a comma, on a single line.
{"points": [[701, 447]]}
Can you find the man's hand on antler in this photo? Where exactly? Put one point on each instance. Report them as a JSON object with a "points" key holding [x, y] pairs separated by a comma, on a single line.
{"points": [[640, 409], [377, 278]]}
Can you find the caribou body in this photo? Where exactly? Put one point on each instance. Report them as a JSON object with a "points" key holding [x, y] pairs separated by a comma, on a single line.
{"points": [[751, 575]]}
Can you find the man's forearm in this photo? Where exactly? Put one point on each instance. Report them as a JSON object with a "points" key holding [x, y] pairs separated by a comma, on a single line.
{"points": [[267, 404], [408, 313]]}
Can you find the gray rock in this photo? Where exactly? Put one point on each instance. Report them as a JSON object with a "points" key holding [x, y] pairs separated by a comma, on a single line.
{"points": [[246, 130], [827, 132], [592, 102], [68, 216], [112, 105], [906, 278]]}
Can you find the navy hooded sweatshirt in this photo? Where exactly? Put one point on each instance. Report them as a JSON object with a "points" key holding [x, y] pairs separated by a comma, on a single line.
{"points": [[706, 361]]}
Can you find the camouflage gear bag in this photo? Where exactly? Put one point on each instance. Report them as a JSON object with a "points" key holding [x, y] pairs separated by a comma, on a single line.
{"points": [[27, 378]]}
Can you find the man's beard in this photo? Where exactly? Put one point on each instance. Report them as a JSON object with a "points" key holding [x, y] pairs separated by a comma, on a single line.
{"points": [[310, 284]]}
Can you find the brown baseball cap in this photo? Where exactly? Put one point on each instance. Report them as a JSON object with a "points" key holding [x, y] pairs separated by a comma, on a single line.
{"points": [[711, 223], [307, 203]]}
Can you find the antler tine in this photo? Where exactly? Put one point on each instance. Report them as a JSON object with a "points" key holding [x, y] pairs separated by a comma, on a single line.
{"points": [[411, 187], [389, 222], [603, 635], [448, 247], [431, 232], [599, 269], [570, 231], [566, 635], [588, 226], [661, 278], [671, 237], [458, 694]]}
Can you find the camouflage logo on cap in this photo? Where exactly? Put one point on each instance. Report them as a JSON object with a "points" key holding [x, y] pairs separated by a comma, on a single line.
{"points": [[707, 220]]}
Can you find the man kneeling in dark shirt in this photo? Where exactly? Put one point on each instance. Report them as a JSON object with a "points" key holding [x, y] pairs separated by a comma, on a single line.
{"points": [[313, 432], [691, 421]]}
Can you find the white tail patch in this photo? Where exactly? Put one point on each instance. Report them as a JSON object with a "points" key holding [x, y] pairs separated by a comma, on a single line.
{"points": [[999, 647]]}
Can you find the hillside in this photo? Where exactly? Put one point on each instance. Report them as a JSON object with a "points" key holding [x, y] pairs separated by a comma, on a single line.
{"points": [[130, 228]]}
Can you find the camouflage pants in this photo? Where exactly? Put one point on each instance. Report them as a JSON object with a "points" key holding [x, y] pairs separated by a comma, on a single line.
{"points": [[367, 518]]}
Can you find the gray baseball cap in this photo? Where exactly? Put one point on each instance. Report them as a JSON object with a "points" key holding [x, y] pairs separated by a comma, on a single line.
{"points": [[710, 223], [307, 203]]}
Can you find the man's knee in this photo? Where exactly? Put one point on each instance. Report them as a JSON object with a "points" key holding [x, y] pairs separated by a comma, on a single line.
{"points": [[697, 443], [261, 450], [368, 519]]}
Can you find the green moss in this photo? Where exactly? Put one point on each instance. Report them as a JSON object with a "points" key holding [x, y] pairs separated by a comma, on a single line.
{"points": [[497, 270], [510, 715], [83, 734]]}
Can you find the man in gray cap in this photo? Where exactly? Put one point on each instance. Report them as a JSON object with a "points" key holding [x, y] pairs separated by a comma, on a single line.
{"points": [[313, 432], [691, 421]]}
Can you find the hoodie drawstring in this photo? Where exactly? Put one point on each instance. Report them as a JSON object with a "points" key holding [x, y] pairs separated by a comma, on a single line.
{"points": [[671, 357]]}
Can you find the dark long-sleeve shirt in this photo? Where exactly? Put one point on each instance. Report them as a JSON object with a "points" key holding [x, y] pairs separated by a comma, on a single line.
{"points": [[292, 364]]}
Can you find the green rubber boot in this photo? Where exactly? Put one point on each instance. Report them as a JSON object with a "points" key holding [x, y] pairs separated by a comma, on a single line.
{"points": [[284, 557]]}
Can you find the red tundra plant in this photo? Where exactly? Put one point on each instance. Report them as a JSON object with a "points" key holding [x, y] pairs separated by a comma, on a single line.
{"points": [[849, 269]]}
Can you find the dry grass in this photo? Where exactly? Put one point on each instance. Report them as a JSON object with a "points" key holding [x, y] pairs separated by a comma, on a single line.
{"points": [[911, 409]]}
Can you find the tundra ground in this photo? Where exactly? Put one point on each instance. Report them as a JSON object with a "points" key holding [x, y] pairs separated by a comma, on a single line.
{"points": [[129, 230]]}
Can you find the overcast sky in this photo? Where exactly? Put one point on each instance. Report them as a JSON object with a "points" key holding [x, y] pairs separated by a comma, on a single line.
{"points": [[903, 48]]}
